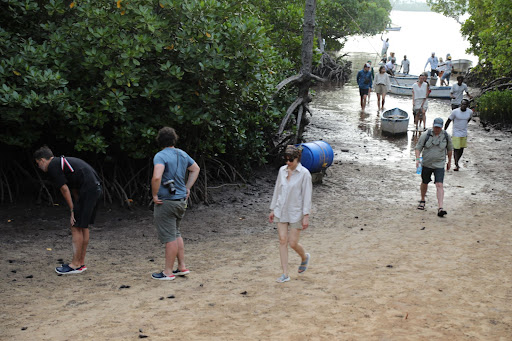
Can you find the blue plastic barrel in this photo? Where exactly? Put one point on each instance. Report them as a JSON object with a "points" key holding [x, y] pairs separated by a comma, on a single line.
{"points": [[316, 156]]}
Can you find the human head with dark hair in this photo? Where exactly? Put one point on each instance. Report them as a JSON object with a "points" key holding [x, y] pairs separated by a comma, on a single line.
{"points": [[460, 79], [292, 152], [43, 156], [167, 137], [382, 69], [43, 153]]}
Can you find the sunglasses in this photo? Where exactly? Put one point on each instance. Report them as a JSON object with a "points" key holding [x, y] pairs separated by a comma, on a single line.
{"points": [[289, 158]]}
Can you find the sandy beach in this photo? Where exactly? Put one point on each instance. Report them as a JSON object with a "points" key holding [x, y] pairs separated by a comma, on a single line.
{"points": [[380, 268]]}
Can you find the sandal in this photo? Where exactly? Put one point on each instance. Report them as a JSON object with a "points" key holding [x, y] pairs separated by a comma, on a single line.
{"points": [[304, 265], [441, 212], [421, 206]]}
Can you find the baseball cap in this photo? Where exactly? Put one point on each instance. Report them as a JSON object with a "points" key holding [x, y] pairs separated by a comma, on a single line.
{"points": [[438, 122]]}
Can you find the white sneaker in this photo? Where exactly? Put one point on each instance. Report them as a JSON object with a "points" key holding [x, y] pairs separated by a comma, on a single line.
{"points": [[283, 279]]}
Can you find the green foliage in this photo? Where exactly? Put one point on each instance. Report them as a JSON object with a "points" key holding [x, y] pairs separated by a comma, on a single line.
{"points": [[104, 76], [338, 19], [494, 107], [450, 8], [488, 29], [335, 20]]}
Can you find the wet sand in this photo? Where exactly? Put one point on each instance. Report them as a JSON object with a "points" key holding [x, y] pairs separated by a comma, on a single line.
{"points": [[380, 269]]}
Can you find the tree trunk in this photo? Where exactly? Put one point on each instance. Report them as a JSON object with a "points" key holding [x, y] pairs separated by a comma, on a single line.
{"points": [[303, 79]]}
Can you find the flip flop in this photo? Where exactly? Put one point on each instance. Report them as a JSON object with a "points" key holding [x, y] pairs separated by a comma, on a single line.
{"points": [[441, 212], [304, 265], [421, 206]]}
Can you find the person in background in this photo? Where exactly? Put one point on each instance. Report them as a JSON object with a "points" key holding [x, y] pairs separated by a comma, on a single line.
{"points": [[441, 67], [373, 77], [383, 84], [81, 188], [460, 117], [290, 208], [448, 68], [390, 68], [420, 92], [405, 66], [170, 193], [392, 58], [364, 81], [457, 92], [434, 146], [433, 61], [385, 46]]}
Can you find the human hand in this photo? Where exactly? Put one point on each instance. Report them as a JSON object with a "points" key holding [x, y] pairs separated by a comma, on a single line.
{"points": [[72, 219], [188, 194], [448, 165], [158, 201], [305, 222], [271, 217]]}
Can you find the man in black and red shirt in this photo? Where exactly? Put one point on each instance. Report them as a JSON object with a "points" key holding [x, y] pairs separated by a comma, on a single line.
{"points": [[70, 173]]}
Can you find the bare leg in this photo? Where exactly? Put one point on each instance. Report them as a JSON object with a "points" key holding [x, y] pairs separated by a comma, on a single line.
{"points": [[363, 102], [171, 251], [425, 119], [457, 155], [423, 191], [77, 241], [181, 254], [378, 101], [293, 240], [383, 100], [282, 229], [85, 242], [440, 193]]}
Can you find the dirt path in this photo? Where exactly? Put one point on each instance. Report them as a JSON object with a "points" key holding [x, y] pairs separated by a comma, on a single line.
{"points": [[381, 270]]}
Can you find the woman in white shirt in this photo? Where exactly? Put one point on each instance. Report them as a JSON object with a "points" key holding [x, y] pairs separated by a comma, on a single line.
{"points": [[420, 92], [383, 85], [290, 208]]}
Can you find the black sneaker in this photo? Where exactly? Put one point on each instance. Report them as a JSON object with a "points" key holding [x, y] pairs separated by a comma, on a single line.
{"points": [[183, 272], [65, 269], [162, 277]]}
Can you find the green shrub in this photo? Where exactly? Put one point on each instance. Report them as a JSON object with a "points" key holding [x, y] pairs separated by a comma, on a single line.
{"points": [[103, 76], [495, 107]]}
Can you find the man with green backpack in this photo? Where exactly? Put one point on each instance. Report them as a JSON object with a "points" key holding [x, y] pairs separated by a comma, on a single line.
{"points": [[433, 147]]}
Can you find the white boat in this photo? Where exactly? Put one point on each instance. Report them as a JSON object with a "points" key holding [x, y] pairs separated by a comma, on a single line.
{"points": [[435, 91], [394, 121], [393, 27], [407, 80], [461, 65]]}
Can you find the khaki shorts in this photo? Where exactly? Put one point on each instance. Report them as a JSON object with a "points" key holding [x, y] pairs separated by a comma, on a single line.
{"points": [[381, 89], [459, 142], [167, 219], [297, 225]]}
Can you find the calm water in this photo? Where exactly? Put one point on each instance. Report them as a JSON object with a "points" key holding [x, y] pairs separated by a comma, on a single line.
{"points": [[338, 118], [421, 34]]}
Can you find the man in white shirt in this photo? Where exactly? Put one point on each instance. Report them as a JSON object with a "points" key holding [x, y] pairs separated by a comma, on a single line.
{"points": [[460, 117], [405, 65], [389, 67], [457, 92], [434, 62], [385, 46]]}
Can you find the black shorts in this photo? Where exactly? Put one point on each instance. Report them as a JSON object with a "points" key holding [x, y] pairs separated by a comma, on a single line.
{"points": [[85, 208], [363, 92], [426, 175]]}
